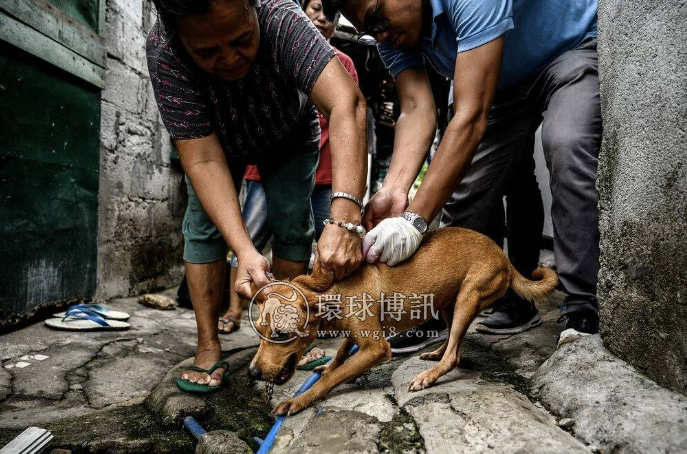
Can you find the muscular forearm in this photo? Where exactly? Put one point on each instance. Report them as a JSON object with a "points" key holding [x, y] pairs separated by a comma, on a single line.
{"points": [[476, 77], [214, 188], [450, 163], [414, 134], [338, 98], [348, 142]]}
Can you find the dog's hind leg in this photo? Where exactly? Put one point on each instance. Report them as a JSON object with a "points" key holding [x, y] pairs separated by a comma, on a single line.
{"points": [[479, 289], [447, 315]]}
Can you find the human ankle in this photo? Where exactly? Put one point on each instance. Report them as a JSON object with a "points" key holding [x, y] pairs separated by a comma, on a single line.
{"points": [[208, 347]]}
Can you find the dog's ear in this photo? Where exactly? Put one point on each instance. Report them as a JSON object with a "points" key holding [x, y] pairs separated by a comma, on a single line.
{"points": [[260, 298], [321, 279]]}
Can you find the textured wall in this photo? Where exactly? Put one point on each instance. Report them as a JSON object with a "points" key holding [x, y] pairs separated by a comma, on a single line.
{"points": [[140, 204], [642, 185]]}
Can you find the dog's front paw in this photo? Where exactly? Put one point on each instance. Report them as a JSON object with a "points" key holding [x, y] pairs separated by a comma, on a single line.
{"points": [[289, 407], [422, 380]]}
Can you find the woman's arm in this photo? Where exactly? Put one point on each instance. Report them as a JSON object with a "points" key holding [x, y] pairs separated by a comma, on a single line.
{"points": [[339, 100], [206, 167]]}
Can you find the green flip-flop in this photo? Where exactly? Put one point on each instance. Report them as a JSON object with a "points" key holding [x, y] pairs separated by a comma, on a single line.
{"points": [[313, 364], [199, 388]]}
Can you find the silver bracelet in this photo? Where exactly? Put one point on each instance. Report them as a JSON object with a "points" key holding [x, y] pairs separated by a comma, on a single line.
{"points": [[359, 229], [351, 197]]}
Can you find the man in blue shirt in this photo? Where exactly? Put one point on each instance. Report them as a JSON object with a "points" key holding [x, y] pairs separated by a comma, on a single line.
{"points": [[515, 64]]}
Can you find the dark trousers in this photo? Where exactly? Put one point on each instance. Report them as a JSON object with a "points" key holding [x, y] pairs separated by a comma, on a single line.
{"points": [[564, 98], [523, 220]]}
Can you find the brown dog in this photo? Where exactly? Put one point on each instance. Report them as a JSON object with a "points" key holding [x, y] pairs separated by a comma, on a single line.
{"points": [[464, 271]]}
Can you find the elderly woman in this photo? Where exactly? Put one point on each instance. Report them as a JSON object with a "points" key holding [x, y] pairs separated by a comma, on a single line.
{"points": [[255, 205], [238, 83]]}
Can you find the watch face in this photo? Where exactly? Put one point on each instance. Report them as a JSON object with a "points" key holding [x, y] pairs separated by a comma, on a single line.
{"points": [[420, 224]]}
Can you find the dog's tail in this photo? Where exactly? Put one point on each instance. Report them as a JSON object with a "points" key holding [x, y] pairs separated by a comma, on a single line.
{"points": [[534, 291]]}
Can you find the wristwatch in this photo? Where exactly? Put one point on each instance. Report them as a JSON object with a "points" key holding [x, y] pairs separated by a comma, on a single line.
{"points": [[417, 221]]}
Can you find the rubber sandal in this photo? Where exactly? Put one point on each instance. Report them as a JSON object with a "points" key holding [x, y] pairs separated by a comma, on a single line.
{"points": [[224, 322], [98, 310], [315, 363], [83, 321], [198, 388]]}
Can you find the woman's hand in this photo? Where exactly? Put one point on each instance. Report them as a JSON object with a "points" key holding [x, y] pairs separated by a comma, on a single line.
{"points": [[384, 204], [339, 250], [251, 273]]}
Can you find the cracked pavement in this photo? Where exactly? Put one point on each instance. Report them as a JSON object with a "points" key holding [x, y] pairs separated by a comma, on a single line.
{"points": [[85, 373], [480, 407], [115, 392]]}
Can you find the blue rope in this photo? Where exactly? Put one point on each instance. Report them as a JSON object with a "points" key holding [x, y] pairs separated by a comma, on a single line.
{"points": [[272, 434]]}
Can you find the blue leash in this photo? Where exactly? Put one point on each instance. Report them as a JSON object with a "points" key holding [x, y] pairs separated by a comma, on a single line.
{"points": [[269, 439]]}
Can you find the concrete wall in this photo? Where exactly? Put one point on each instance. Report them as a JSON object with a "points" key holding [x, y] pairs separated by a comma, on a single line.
{"points": [[140, 204], [642, 185]]}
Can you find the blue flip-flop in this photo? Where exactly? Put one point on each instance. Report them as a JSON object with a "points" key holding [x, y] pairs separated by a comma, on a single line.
{"points": [[98, 310], [77, 320]]}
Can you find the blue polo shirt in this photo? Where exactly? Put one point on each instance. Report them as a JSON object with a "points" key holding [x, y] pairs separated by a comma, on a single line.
{"points": [[535, 31]]}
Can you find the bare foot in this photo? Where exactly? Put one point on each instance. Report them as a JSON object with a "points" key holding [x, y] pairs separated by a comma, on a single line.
{"points": [[312, 355], [206, 357]]}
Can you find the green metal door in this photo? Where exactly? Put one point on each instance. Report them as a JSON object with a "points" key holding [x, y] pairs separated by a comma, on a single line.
{"points": [[51, 74]]}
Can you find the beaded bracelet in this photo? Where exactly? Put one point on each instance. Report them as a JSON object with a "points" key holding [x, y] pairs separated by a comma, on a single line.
{"points": [[359, 229]]}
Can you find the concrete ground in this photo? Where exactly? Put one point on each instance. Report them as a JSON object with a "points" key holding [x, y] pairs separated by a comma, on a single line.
{"points": [[115, 392]]}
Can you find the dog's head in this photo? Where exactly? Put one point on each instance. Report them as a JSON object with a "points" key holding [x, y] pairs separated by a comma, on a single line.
{"points": [[287, 324]]}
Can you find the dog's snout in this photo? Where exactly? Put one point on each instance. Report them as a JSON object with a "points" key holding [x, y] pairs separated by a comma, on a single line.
{"points": [[254, 373]]}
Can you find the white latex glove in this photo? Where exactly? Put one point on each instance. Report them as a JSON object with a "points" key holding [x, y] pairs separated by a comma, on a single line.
{"points": [[392, 241]]}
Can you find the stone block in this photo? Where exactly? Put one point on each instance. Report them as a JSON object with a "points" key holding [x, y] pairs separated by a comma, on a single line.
{"points": [[109, 125], [161, 302], [642, 186], [170, 404], [132, 10], [222, 442], [151, 112], [114, 269], [149, 181], [126, 42], [124, 87], [613, 406], [339, 431], [140, 202]]}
